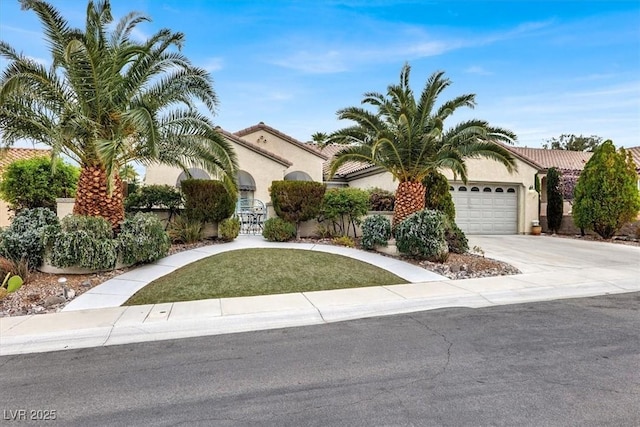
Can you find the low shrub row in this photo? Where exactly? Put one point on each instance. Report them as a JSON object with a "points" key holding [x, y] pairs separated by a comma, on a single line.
{"points": [[82, 241]]}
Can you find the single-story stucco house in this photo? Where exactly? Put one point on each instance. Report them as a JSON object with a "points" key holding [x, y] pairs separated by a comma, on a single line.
{"points": [[8, 156], [493, 201]]}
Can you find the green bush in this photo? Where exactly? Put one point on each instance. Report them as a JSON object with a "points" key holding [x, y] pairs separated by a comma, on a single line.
{"points": [[345, 207], [229, 229], [159, 196], [183, 230], [82, 241], [422, 235], [606, 195], [31, 183], [297, 201], [207, 200], [278, 230], [24, 239], [344, 241], [456, 239], [381, 200], [437, 196], [555, 200], [142, 239], [376, 230]]}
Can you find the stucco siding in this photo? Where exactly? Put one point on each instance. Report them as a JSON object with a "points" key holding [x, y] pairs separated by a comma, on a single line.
{"points": [[302, 160]]}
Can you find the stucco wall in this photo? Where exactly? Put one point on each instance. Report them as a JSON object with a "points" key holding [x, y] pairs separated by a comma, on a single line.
{"points": [[481, 171], [302, 160], [263, 170], [5, 214]]}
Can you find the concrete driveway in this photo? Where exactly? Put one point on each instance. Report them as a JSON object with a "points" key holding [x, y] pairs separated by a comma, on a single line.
{"points": [[536, 254]]}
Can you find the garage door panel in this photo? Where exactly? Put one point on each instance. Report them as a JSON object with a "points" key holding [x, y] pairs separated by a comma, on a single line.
{"points": [[487, 212]]}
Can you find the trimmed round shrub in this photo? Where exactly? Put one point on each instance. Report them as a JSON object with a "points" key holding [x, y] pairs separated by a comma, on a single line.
{"points": [[278, 230], [422, 235], [24, 239], [456, 239], [376, 230], [207, 200], [83, 241], [142, 239], [229, 229]]}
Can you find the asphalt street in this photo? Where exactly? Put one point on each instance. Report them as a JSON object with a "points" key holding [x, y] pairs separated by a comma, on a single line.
{"points": [[559, 363]]}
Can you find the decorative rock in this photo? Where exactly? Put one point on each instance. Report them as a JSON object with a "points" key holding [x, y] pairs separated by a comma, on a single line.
{"points": [[52, 300], [86, 283]]}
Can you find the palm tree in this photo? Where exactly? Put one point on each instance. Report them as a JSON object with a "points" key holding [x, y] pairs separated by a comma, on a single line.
{"points": [[406, 137], [320, 138], [107, 100], [128, 173]]}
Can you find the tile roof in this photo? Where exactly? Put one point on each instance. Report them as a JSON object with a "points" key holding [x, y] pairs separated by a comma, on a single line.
{"points": [[540, 158], [635, 153], [348, 168], [311, 148], [10, 155], [254, 147], [545, 159]]}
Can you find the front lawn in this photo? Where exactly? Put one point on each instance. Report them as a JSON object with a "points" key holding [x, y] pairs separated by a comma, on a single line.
{"points": [[248, 272]]}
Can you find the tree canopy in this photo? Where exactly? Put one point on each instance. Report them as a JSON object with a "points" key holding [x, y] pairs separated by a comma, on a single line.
{"points": [[107, 100], [407, 136], [573, 143]]}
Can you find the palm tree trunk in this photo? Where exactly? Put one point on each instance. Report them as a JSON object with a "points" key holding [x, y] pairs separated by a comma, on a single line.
{"points": [[93, 198], [409, 199]]}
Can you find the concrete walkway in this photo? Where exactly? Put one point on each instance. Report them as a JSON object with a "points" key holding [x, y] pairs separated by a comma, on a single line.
{"points": [[553, 268]]}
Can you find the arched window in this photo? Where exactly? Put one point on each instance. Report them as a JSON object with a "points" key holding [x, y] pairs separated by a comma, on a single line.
{"points": [[194, 173], [486, 190], [246, 185], [475, 189], [297, 176], [511, 190], [463, 188], [451, 188], [499, 190]]}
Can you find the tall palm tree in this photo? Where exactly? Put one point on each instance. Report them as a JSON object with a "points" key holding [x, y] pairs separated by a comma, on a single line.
{"points": [[406, 137], [107, 100]]}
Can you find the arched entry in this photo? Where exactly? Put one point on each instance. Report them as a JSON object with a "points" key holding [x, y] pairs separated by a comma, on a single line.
{"points": [[297, 176]]}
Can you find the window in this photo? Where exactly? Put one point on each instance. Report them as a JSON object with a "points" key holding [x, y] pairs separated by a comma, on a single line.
{"points": [[297, 176], [194, 173], [246, 185], [475, 189], [499, 190], [463, 188], [453, 189], [511, 190], [486, 190]]}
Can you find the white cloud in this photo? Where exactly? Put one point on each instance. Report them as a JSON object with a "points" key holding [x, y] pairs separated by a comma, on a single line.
{"points": [[476, 69], [213, 64]]}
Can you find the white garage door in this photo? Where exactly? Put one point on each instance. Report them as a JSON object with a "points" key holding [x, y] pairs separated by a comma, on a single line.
{"points": [[486, 209]]}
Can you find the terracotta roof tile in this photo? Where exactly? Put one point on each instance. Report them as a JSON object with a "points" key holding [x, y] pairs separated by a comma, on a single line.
{"points": [[311, 148], [348, 168], [10, 155], [635, 153], [561, 159]]}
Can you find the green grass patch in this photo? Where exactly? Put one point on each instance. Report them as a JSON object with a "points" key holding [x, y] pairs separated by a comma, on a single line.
{"points": [[248, 272]]}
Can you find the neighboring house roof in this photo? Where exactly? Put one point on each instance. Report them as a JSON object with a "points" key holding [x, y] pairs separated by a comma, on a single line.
{"points": [[346, 169], [10, 155], [545, 159], [311, 148], [254, 147], [635, 153]]}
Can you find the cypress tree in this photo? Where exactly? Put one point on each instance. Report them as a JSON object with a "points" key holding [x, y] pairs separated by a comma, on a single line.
{"points": [[554, 200]]}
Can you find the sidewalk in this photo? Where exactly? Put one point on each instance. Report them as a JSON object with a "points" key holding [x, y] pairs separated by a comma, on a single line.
{"points": [[83, 325]]}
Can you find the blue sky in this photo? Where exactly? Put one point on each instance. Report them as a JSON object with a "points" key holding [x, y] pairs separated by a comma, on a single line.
{"points": [[539, 68]]}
